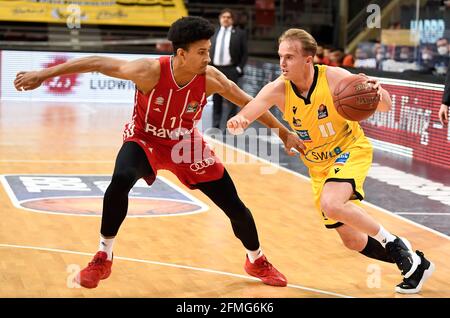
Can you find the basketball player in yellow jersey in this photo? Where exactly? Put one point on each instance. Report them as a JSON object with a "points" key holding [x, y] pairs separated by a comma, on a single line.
{"points": [[337, 153]]}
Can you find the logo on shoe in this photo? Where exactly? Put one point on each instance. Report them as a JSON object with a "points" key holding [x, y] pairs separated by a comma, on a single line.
{"points": [[83, 195]]}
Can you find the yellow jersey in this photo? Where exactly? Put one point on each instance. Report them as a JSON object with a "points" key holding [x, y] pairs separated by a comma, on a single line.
{"points": [[325, 133]]}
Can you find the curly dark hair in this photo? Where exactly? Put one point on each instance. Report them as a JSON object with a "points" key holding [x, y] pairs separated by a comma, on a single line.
{"points": [[187, 30]]}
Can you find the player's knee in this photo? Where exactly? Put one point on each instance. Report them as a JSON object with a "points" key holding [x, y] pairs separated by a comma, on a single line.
{"points": [[239, 214], [331, 208], [124, 179]]}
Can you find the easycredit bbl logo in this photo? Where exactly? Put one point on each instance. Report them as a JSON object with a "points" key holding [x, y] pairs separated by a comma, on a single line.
{"points": [[83, 195]]}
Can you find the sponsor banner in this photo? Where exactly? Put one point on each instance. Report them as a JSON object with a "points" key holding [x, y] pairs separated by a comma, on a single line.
{"points": [[83, 195], [84, 87], [159, 13], [412, 123]]}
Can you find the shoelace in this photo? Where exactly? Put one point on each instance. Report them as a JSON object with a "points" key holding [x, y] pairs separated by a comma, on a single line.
{"points": [[97, 261], [396, 253], [267, 264]]}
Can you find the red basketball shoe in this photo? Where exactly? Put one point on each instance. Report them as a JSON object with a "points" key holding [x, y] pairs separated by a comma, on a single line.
{"points": [[265, 271], [99, 268]]}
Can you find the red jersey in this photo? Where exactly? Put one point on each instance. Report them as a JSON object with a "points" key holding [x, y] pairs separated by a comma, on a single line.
{"points": [[160, 120], [168, 110]]}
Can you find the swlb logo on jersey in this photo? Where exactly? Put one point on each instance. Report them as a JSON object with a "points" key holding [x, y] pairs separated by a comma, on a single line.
{"points": [[83, 195], [322, 112], [192, 107], [304, 135], [342, 159], [297, 122], [315, 155]]}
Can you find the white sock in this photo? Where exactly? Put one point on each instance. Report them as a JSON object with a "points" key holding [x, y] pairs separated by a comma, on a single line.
{"points": [[106, 245], [384, 236], [254, 255]]}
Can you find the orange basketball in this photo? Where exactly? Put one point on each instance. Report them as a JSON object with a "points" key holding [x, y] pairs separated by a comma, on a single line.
{"points": [[354, 98]]}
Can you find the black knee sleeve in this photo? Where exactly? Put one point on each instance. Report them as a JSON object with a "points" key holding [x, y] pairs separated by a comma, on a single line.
{"points": [[223, 193], [131, 165]]}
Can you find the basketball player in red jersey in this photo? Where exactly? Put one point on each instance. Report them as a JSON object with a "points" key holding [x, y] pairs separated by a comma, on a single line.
{"points": [[170, 95]]}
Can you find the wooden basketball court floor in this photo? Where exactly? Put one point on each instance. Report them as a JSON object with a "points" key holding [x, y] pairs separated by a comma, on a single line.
{"points": [[190, 255]]}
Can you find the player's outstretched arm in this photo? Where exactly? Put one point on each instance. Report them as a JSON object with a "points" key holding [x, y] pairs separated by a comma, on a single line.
{"points": [[265, 99], [130, 70], [220, 84], [258, 108]]}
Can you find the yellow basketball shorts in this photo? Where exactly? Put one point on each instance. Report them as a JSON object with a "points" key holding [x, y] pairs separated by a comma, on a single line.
{"points": [[350, 166]]}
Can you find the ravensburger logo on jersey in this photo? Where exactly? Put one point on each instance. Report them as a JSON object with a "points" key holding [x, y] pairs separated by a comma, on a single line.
{"points": [[200, 165]]}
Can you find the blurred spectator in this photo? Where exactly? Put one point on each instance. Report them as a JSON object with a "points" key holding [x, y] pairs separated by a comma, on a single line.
{"points": [[319, 55], [442, 46], [442, 59], [426, 61], [348, 60], [336, 57], [406, 54], [319, 58], [326, 55], [364, 56], [379, 53]]}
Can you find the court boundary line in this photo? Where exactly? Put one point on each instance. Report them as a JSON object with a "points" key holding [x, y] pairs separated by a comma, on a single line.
{"points": [[381, 209], [199, 269], [423, 213]]}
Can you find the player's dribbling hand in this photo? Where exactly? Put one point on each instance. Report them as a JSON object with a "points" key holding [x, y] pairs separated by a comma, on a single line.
{"points": [[237, 124], [27, 80], [293, 145], [376, 86], [443, 115]]}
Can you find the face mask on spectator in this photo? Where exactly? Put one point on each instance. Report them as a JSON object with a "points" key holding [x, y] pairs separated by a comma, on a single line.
{"points": [[426, 56], [442, 50], [404, 56]]}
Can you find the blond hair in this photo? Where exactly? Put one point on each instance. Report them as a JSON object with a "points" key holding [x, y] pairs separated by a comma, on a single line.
{"points": [[309, 44]]}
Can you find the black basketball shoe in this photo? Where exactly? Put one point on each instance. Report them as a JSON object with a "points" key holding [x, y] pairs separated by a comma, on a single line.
{"points": [[400, 251], [414, 283]]}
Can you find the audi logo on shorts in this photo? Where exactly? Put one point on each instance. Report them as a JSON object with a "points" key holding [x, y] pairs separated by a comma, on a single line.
{"points": [[199, 165]]}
